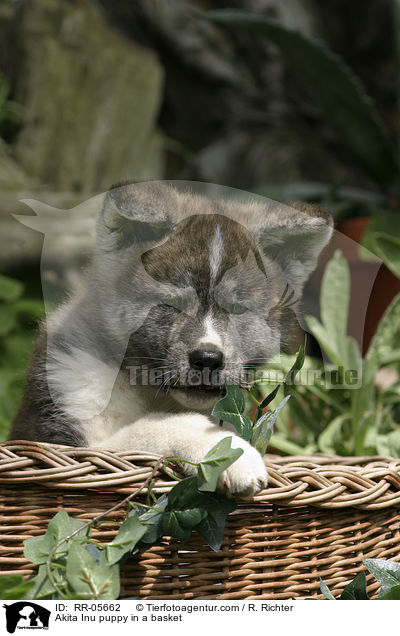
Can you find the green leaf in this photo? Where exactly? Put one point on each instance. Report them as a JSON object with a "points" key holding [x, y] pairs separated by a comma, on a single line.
{"points": [[331, 332], [388, 249], [365, 423], [99, 554], [381, 220], [331, 85], [37, 549], [262, 432], [212, 528], [230, 409], [383, 340], [388, 444], [386, 572], [207, 512], [13, 586], [218, 459], [353, 355], [325, 339], [129, 533], [180, 523], [43, 588], [291, 375], [332, 435], [184, 510], [326, 591], [152, 520], [335, 296], [380, 238], [184, 494], [271, 396], [10, 289], [392, 595], [363, 399], [88, 578], [264, 427], [356, 590], [391, 358]]}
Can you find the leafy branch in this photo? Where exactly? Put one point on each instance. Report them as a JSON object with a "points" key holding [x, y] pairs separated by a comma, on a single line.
{"points": [[96, 519], [386, 572], [72, 565], [258, 432]]}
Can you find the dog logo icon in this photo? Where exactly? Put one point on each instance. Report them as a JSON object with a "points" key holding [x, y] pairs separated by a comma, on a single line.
{"points": [[26, 615]]}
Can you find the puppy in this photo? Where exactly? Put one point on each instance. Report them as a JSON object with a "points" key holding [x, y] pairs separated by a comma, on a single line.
{"points": [[185, 291]]}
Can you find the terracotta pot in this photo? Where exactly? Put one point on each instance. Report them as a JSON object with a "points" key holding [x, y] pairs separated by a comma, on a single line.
{"points": [[354, 228], [384, 289], [373, 286]]}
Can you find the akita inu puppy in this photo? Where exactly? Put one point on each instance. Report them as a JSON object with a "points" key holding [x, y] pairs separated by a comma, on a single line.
{"points": [[185, 291]]}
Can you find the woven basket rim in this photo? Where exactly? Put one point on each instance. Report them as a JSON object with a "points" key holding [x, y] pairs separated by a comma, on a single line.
{"points": [[324, 481]]}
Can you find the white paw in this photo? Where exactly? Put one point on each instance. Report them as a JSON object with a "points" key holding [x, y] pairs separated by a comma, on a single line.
{"points": [[191, 436], [246, 476]]}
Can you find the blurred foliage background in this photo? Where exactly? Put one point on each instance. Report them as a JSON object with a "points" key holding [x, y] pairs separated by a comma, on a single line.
{"points": [[296, 100]]}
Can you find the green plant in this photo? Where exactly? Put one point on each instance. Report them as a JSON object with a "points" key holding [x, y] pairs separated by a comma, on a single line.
{"points": [[382, 238], [231, 408], [18, 319], [342, 406], [73, 565], [386, 572], [332, 86]]}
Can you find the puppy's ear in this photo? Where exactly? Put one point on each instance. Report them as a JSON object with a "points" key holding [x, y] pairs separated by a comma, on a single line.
{"points": [[294, 236], [136, 213]]}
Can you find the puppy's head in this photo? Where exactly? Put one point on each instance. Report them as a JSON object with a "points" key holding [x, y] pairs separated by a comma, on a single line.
{"points": [[213, 281]]}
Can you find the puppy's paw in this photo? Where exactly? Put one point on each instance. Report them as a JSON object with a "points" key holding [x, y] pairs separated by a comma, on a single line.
{"points": [[246, 476]]}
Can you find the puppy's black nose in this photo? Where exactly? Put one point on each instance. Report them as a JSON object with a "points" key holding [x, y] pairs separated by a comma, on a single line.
{"points": [[201, 359]]}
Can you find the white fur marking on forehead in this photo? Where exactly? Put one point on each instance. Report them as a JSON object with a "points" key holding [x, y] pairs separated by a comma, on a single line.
{"points": [[210, 336], [216, 251]]}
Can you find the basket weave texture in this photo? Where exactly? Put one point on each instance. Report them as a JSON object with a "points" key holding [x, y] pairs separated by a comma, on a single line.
{"points": [[319, 517]]}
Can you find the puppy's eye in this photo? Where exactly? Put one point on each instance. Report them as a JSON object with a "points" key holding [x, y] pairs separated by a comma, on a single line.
{"points": [[235, 308], [169, 305], [178, 304]]}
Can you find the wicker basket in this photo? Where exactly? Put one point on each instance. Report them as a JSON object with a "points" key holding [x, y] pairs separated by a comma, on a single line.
{"points": [[319, 517]]}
